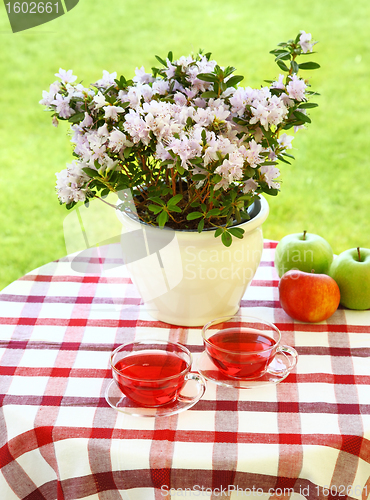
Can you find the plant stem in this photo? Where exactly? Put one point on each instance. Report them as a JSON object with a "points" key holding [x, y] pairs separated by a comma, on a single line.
{"points": [[304, 234], [359, 254], [173, 177]]}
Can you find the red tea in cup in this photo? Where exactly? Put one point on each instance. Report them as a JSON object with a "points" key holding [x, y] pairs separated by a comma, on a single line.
{"points": [[243, 347], [242, 353], [152, 373]]}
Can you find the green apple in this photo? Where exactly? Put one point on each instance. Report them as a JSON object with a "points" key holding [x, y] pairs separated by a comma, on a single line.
{"points": [[351, 271], [303, 251]]}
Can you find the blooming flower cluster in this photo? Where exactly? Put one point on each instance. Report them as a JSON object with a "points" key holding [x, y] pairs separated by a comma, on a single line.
{"points": [[194, 147]]}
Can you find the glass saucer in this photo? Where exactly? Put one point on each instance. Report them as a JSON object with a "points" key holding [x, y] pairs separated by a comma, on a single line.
{"points": [[122, 403], [210, 371]]}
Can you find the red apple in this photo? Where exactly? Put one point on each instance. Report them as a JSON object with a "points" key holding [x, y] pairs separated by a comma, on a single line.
{"points": [[308, 297]]}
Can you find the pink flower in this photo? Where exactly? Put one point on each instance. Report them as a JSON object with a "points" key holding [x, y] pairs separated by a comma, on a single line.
{"points": [[296, 88], [87, 121], [279, 84], [99, 100], [142, 76], [118, 141], [137, 128], [260, 114], [249, 186], [107, 80], [62, 106], [305, 42], [111, 112], [270, 173], [66, 76], [285, 141], [253, 153]]}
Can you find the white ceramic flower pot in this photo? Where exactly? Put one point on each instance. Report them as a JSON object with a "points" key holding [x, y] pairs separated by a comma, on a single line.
{"points": [[189, 278]]}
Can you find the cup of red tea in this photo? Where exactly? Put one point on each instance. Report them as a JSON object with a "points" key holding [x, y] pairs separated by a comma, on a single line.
{"points": [[243, 347], [154, 373]]}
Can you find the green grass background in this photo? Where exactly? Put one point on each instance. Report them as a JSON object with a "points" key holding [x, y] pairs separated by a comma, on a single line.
{"points": [[325, 191]]}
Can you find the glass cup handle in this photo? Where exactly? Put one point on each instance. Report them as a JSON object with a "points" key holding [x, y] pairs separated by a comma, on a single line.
{"points": [[201, 387], [290, 354]]}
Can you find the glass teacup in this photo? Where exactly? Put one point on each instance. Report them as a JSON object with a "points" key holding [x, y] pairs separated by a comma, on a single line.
{"points": [[243, 347], [154, 373]]}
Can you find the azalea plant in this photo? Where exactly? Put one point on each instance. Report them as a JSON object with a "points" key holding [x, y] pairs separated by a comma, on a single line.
{"points": [[194, 147]]}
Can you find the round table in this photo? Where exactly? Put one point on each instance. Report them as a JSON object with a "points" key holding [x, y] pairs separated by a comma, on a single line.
{"points": [[307, 435]]}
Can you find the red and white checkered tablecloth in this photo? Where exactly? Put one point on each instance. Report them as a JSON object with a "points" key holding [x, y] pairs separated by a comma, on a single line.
{"points": [[60, 440]]}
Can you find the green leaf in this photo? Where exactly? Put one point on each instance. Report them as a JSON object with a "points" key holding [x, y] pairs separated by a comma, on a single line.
{"points": [[175, 199], [249, 171], [278, 51], [204, 137], [282, 54], [158, 200], [234, 80], [309, 65], [200, 226], [209, 94], [91, 172], [268, 163], [213, 212], [110, 99], [194, 215], [244, 197], [174, 208], [280, 157], [226, 238], [155, 209], [122, 82], [270, 191], [180, 169], [70, 205], [237, 232], [198, 177], [127, 152], [294, 66], [282, 65], [78, 117], [245, 215], [161, 60], [307, 105], [218, 231], [197, 160], [267, 134], [207, 77], [162, 218], [170, 56], [302, 117], [228, 71]]}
